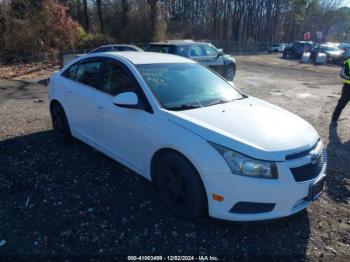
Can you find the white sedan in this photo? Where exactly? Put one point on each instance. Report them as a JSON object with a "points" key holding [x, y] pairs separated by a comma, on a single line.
{"points": [[277, 48], [208, 148]]}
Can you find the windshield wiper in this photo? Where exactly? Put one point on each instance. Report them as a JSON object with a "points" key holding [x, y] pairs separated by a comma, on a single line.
{"points": [[183, 107], [224, 101], [220, 101]]}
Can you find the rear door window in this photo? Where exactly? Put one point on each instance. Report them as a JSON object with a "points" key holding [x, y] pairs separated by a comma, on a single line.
{"points": [[181, 50], [124, 48], [168, 49], [108, 49], [127, 48], [88, 73], [70, 72]]}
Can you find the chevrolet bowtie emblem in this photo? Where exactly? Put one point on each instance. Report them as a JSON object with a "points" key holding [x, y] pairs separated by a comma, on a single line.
{"points": [[315, 155], [314, 158]]}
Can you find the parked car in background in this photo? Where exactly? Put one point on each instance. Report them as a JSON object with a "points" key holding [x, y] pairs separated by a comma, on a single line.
{"points": [[297, 48], [344, 46], [66, 58], [208, 148], [202, 52], [333, 53], [277, 48], [117, 48]]}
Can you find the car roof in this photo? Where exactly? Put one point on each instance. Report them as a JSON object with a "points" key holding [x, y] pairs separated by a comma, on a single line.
{"points": [[180, 42], [118, 45], [329, 45], [139, 58], [303, 42]]}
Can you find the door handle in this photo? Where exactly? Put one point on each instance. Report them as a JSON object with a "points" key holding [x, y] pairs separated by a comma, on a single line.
{"points": [[100, 109]]}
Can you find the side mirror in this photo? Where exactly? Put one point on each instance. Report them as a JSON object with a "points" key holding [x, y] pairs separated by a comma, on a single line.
{"points": [[220, 52], [126, 99]]}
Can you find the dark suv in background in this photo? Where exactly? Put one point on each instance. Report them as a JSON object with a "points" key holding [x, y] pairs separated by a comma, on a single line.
{"points": [[202, 52], [296, 49]]}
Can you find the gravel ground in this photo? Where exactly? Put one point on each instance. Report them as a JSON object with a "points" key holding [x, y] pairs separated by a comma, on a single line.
{"points": [[68, 199]]}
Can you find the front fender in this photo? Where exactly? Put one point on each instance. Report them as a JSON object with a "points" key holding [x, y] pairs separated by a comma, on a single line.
{"points": [[230, 60]]}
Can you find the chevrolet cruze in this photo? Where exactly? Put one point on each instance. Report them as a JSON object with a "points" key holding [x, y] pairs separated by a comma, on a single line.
{"points": [[208, 148]]}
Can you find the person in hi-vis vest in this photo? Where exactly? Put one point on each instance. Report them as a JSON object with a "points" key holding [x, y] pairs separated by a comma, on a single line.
{"points": [[345, 94]]}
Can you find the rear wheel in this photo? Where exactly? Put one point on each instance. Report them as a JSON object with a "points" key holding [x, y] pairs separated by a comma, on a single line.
{"points": [[180, 186], [60, 122]]}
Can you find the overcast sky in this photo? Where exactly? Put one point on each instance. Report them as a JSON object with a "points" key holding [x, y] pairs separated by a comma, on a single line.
{"points": [[346, 2]]}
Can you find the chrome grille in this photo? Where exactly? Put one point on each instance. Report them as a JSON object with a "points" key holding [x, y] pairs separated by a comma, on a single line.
{"points": [[309, 171]]}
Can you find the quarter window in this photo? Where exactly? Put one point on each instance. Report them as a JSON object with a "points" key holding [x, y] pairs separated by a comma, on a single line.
{"points": [[115, 79], [88, 73]]}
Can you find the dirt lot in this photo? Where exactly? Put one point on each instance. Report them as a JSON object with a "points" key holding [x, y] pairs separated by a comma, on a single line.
{"points": [[68, 199]]}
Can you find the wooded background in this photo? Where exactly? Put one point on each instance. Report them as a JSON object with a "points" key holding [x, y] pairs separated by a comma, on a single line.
{"points": [[33, 26]]}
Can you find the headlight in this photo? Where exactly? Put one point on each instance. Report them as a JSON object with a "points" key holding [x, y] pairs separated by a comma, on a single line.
{"points": [[246, 166]]}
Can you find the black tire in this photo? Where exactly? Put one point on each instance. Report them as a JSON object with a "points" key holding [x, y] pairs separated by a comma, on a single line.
{"points": [[180, 186], [230, 72], [59, 122], [284, 55]]}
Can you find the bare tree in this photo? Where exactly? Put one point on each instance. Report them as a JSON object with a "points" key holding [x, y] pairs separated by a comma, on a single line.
{"points": [[99, 15], [86, 16]]}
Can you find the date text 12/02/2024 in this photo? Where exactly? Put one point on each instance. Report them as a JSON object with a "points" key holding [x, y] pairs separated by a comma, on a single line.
{"points": [[173, 258]]}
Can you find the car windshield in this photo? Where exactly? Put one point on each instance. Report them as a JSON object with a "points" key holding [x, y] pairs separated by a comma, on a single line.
{"points": [[181, 86]]}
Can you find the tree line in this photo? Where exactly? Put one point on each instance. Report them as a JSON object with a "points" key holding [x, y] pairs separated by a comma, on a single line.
{"points": [[65, 24]]}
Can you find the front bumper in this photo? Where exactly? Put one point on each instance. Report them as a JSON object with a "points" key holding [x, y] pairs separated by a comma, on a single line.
{"points": [[286, 194]]}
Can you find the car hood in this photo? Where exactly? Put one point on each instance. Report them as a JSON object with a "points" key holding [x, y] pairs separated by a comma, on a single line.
{"points": [[229, 58], [250, 126]]}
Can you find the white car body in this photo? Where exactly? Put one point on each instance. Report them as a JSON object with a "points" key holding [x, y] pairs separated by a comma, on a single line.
{"points": [[277, 48], [250, 126]]}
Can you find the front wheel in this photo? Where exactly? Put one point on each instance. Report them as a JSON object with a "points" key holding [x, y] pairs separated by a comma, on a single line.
{"points": [[230, 72], [180, 186], [60, 122]]}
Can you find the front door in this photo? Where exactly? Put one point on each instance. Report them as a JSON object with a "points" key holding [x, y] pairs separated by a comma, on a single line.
{"points": [[207, 56], [120, 131]]}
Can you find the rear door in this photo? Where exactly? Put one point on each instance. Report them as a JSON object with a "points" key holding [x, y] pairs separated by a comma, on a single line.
{"points": [[80, 98]]}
